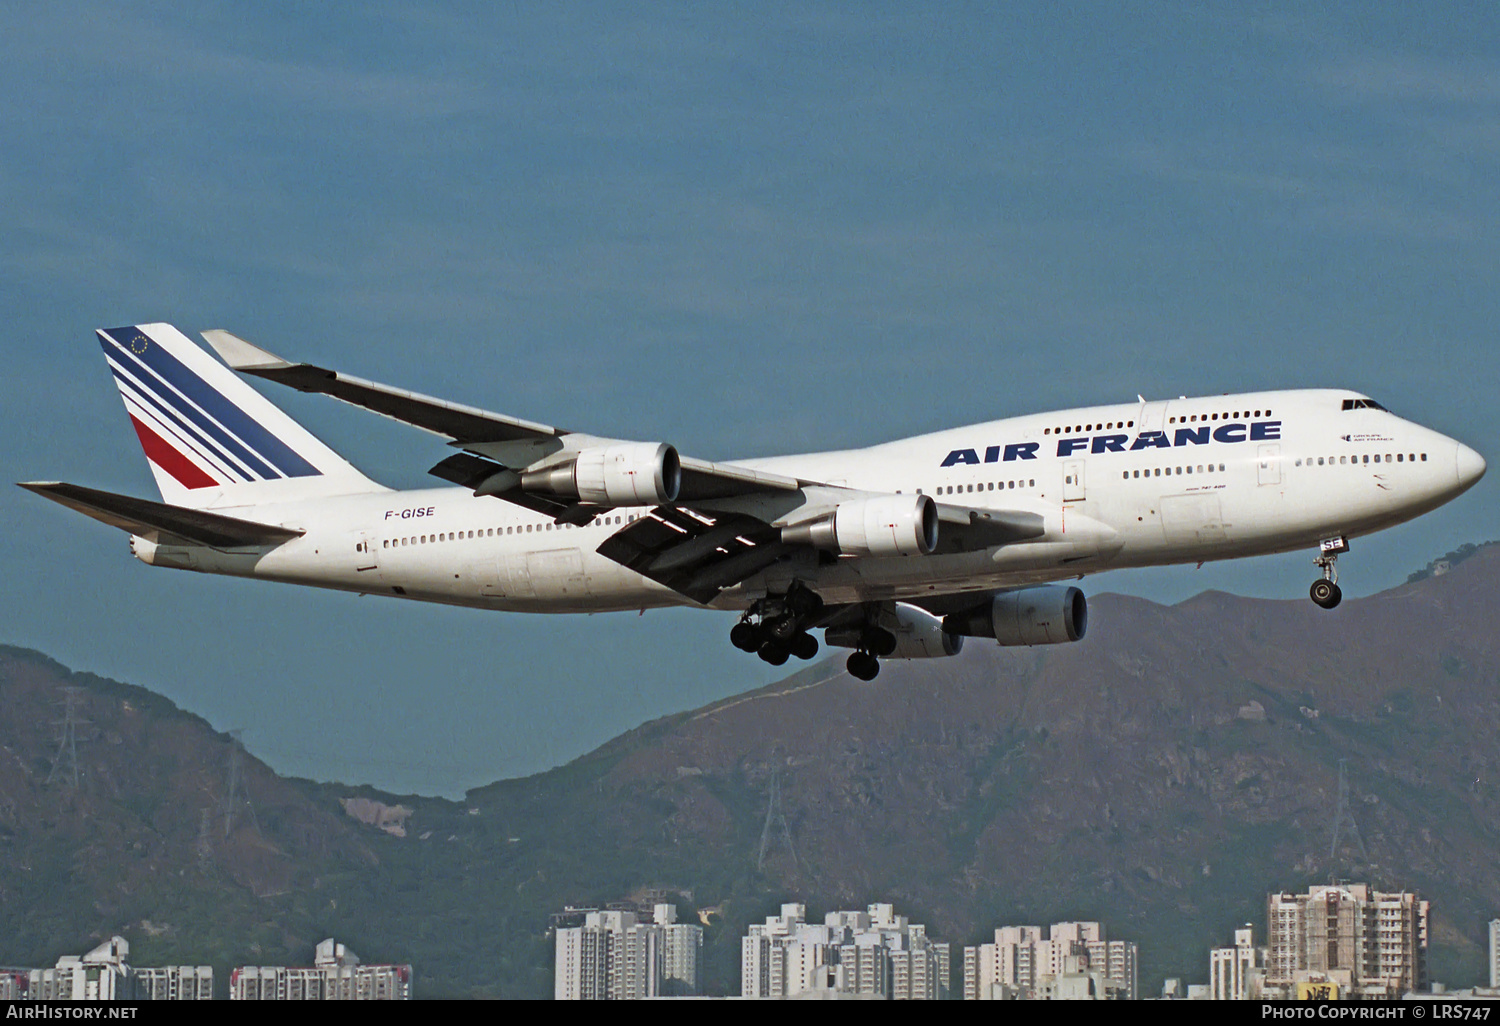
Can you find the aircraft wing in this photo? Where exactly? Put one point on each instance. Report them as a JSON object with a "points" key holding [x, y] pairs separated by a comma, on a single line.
{"points": [[154, 519], [451, 420], [507, 441], [698, 552], [694, 552]]}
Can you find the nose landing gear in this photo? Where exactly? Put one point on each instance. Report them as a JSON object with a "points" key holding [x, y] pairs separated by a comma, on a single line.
{"points": [[1326, 593]]}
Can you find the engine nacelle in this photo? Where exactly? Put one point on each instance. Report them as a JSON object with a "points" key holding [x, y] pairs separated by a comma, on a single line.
{"points": [[911, 633], [920, 635], [1043, 615], [889, 525], [151, 553], [628, 474]]}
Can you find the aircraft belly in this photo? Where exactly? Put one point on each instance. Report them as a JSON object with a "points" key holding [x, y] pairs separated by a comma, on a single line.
{"points": [[909, 577], [567, 580], [501, 575], [1193, 519], [557, 575]]}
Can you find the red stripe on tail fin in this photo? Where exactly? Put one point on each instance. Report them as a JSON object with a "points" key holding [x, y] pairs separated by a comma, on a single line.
{"points": [[158, 451]]}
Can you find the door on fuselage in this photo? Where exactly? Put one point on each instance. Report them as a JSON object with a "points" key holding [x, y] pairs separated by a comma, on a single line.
{"points": [[366, 553], [1151, 417], [1073, 488], [1268, 465]]}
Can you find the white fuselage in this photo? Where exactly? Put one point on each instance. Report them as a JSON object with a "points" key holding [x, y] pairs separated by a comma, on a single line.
{"points": [[1136, 484]]}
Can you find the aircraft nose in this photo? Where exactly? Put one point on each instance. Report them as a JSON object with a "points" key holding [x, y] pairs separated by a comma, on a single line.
{"points": [[1469, 464]]}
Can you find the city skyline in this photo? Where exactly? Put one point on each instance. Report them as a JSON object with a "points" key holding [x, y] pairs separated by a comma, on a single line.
{"points": [[1376, 951]]}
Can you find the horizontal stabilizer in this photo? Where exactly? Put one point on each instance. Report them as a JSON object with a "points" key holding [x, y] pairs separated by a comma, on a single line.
{"points": [[148, 519]]}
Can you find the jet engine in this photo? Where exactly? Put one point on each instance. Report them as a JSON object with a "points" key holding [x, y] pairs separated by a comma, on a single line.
{"points": [[629, 474], [908, 633], [888, 525], [1043, 615]]}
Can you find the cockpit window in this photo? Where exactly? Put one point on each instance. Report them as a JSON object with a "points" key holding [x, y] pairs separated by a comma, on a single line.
{"points": [[1363, 404]]}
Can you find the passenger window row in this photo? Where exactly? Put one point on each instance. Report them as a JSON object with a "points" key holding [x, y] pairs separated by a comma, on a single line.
{"points": [[1170, 471], [984, 486], [1191, 418], [491, 532], [1362, 458], [1111, 426], [1236, 415]]}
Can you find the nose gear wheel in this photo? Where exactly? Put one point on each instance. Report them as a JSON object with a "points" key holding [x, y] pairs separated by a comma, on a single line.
{"points": [[1326, 593]]}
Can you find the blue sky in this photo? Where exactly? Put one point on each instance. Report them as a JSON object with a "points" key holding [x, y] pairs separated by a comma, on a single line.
{"points": [[744, 229]]}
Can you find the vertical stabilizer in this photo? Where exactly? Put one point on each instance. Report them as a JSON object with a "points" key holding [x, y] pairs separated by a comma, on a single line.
{"points": [[210, 438]]}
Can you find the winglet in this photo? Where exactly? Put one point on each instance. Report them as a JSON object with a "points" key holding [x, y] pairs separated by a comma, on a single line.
{"points": [[241, 355]]}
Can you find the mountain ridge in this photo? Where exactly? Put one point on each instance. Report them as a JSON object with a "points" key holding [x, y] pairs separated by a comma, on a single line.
{"points": [[1161, 776]]}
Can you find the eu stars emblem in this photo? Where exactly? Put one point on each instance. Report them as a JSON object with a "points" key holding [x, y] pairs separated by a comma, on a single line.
{"points": [[139, 343]]}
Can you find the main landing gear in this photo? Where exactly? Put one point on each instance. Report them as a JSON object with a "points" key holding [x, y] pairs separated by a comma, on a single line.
{"points": [[1326, 592], [775, 628], [869, 640], [863, 664]]}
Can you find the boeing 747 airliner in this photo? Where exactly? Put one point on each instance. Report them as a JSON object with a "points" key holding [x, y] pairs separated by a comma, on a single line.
{"points": [[900, 550]]}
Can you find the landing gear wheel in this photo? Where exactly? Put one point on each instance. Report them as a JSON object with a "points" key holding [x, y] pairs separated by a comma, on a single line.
{"points": [[782, 629], [804, 646], [1326, 594], [880, 641], [863, 665], [744, 637], [773, 653]]}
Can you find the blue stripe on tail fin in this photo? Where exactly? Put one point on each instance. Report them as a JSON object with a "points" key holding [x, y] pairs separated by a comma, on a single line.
{"points": [[211, 439]]}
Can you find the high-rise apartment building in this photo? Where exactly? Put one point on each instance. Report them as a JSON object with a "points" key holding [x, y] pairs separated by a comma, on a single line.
{"points": [[1026, 961], [335, 975], [874, 953], [100, 975], [613, 956], [103, 974], [1238, 973], [174, 983], [787, 955], [1370, 943], [1495, 953]]}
